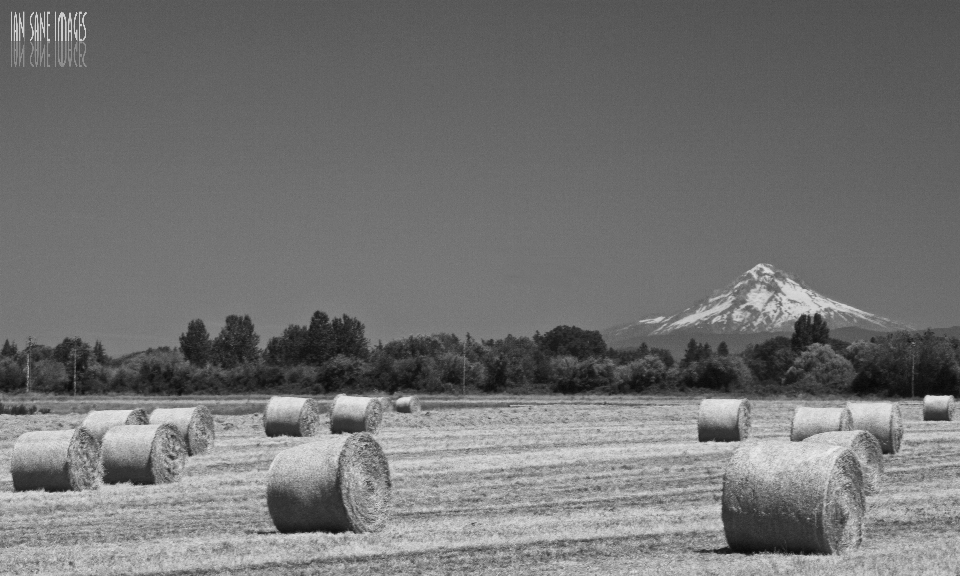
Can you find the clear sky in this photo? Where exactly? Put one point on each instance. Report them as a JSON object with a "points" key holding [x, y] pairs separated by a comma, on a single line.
{"points": [[482, 166]]}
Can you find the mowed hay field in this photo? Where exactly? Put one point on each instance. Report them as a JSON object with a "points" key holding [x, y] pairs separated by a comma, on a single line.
{"points": [[553, 486]]}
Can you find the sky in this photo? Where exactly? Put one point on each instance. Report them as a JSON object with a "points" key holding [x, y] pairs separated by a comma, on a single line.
{"points": [[483, 166]]}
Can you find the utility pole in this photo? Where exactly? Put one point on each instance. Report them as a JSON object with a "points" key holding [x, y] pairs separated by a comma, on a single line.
{"points": [[913, 357], [29, 345], [464, 385], [75, 340]]}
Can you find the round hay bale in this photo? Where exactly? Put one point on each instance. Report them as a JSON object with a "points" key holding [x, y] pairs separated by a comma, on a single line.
{"points": [[99, 421], [355, 414], [195, 426], [793, 497], [145, 454], [809, 421], [723, 420], [882, 419], [408, 404], [938, 408], [337, 484], [56, 461], [289, 416], [386, 403], [865, 447]]}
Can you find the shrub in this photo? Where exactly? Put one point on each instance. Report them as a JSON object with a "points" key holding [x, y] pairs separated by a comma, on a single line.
{"points": [[49, 376], [587, 375], [12, 377], [818, 369], [342, 374], [642, 374]]}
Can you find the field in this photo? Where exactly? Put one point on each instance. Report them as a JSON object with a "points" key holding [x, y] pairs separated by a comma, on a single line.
{"points": [[526, 485]]}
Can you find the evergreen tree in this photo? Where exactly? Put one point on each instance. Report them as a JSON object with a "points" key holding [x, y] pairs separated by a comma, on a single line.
{"points": [[722, 349], [705, 351], [9, 350], [195, 343], [819, 332], [692, 353], [802, 336], [237, 342], [99, 354], [809, 330]]}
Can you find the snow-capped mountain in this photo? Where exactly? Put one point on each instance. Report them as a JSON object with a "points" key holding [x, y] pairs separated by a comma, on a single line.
{"points": [[763, 299]]}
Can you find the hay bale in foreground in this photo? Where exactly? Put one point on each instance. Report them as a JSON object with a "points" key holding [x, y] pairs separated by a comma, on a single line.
{"points": [[865, 447], [355, 414], [57, 460], [793, 497], [290, 416], [882, 419], [723, 420], [145, 454], [408, 404], [99, 421], [809, 421], [195, 426], [337, 484], [938, 408]]}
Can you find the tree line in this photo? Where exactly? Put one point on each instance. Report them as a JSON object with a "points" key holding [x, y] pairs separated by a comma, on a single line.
{"points": [[328, 355]]}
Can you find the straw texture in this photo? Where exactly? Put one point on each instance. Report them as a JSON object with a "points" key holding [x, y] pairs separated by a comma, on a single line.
{"points": [[723, 420], [336, 484], [146, 454], [355, 414], [408, 404], [386, 403], [99, 421], [938, 408], [865, 447], [290, 416], [794, 497], [56, 461], [195, 426], [882, 419], [810, 421]]}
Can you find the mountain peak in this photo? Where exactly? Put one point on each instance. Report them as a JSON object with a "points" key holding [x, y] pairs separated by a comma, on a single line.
{"points": [[762, 299]]}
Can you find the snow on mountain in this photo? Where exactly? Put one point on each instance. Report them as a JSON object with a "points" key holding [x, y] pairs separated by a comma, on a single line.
{"points": [[763, 299]]}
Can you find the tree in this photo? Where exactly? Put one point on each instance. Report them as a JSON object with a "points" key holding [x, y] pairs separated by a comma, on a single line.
{"points": [[770, 359], [722, 349], [237, 342], [890, 363], [64, 353], [573, 341], [821, 369], [348, 337], [807, 331], [195, 343], [696, 352], [288, 349], [9, 350], [99, 355], [643, 373], [320, 345]]}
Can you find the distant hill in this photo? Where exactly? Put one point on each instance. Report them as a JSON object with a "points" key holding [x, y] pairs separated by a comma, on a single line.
{"points": [[677, 342]]}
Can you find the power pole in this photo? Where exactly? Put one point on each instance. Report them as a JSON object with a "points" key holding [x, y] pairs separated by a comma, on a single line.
{"points": [[464, 384], [29, 346], [75, 366], [913, 357]]}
